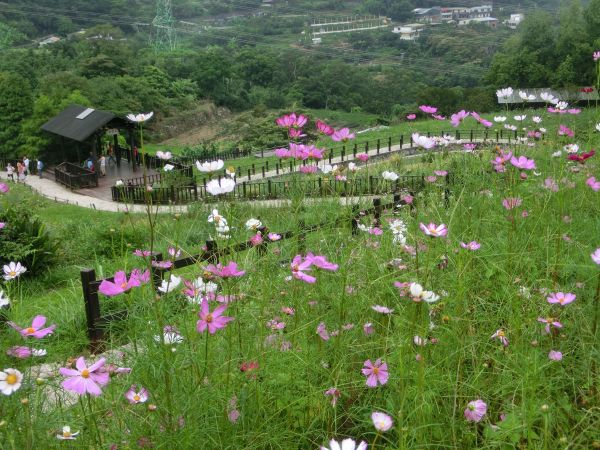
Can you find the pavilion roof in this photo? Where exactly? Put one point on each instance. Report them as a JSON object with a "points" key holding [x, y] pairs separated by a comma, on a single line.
{"points": [[79, 122]]}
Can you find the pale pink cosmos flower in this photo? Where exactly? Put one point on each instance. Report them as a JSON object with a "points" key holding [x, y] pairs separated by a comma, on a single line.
{"points": [[119, 285], [411, 116], [135, 395], [596, 56], [456, 119], [2, 225], [295, 133], [434, 230], [324, 128], [22, 352], [382, 309], [523, 163], [228, 271], [85, 380], [321, 262], [36, 329], [561, 298], [441, 173], [282, 153], [431, 178], [364, 157], [376, 373], [555, 355], [596, 256], [142, 253], [475, 410], [565, 131], [381, 421], [550, 184], [501, 336], [368, 328], [308, 169], [334, 393], [438, 117], [473, 245], [212, 321], [342, 135], [322, 331], [593, 183], [299, 266], [274, 236], [511, 202], [549, 322], [257, 239], [470, 147]]}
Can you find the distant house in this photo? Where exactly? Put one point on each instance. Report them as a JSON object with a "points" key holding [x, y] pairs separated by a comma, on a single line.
{"points": [[52, 39], [491, 22], [317, 40], [514, 21], [409, 32], [267, 3], [428, 15]]}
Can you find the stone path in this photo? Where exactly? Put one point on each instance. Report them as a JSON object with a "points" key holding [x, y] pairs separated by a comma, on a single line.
{"points": [[48, 188]]}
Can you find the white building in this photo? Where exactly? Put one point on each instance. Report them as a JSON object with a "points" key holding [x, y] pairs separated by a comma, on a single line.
{"points": [[48, 40], [409, 32], [514, 21]]}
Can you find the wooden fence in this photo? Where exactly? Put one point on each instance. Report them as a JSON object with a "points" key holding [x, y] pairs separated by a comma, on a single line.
{"points": [[97, 322]]}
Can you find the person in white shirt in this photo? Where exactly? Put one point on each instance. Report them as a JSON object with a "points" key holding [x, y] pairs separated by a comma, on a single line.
{"points": [[26, 164], [10, 171]]}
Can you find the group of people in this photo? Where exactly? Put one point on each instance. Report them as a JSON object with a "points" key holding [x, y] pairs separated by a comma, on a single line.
{"points": [[22, 169], [92, 164]]}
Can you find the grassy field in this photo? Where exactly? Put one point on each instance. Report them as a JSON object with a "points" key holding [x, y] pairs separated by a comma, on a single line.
{"points": [[267, 378]]}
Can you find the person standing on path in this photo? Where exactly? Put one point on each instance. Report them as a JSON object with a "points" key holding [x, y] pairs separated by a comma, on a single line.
{"points": [[26, 164], [40, 167], [20, 172], [102, 162], [10, 172]]}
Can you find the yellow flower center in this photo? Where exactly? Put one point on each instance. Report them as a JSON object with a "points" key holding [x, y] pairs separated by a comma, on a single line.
{"points": [[11, 379], [30, 330], [123, 284], [501, 333], [376, 370], [209, 318], [85, 373], [550, 319], [12, 273], [136, 398], [66, 434]]}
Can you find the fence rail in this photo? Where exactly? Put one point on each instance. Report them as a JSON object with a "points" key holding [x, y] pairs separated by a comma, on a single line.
{"points": [[97, 322], [75, 177]]}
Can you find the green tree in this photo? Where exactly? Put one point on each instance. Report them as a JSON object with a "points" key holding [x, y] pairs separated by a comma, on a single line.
{"points": [[16, 104]]}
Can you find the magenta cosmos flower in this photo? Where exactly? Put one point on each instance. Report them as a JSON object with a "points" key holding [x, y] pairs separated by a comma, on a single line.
{"points": [[85, 380], [364, 157], [321, 262], [376, 373], [549, 322], [593, 183], [322, 127], [596, 256], [228, 271], [213, 321], [342, 135], [511, 202], [475, 410], [473, 245], [135, 395], [434, 230], [4, 188], [561, 298], [299, 266], [411, 116], [119, 285], [596, 55], [523, 163], [428, 109], [36, 329]]}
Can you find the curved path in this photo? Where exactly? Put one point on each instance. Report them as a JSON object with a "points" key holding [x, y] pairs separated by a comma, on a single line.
{"points": [[46, 187]]}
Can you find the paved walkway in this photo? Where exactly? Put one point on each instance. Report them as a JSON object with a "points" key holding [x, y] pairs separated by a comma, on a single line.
{"points": [[48, 188]]}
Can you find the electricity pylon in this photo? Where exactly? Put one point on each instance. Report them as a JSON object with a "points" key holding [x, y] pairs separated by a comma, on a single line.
{"points": [[165, 37]]}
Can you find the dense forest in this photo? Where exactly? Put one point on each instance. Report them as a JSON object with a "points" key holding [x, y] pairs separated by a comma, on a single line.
{"points": [[262, 63]]}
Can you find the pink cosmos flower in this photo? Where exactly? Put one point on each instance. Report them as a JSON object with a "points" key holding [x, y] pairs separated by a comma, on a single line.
{"points": [[470, 147], [434, 230], [322, 331], [375, 373], [2, 225], [457, 118], [322, 127], [561, 298], [142, 253], [438, 117], [22, 352], [36, 329], [119, 285], [85, 380], [382, 309], [299, 266], [596, 56], [523, 163], [342, 135], [431, 178], [334, 393], [4, 188], [593, 183], [473, 245], [308, 169], [142, 277], [368, 328], [441, 173], [376, 231], [501, 336], [550, 184], [274, 236], [511, 202], [411, 116], [257, 239], [381, 421], [475, 410], [228, 271], [282, 153], [555, 355], [321, 262], [213, 321], [596, 256], [574, 111], [134, 396], [362, 157], [162, 264], [295, 133], [565, 131], [549, 322], [428, 109]]}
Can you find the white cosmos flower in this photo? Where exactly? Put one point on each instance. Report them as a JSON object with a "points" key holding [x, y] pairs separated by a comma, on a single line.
{"points": [[328, 168], [562, 105], [119, 183], [500, 119], [422, 141], [430, 297], [164, 155], [346, 444], [520, 118], [536, 119], [170, 337], [353, 167], [13, 270], [10, 381], [216, 187], [140, 118], [548, 98], [598, 127], [39, 351], [556, 154], [571, 148], [523, 95], [4, 300], [505, 92], [230, 171], [389, 176], [510, 127], [416, 289], [216, 218], [168, 167], [170, 285], [210, 166], [253, 224], [542, 129], [67, 435]]}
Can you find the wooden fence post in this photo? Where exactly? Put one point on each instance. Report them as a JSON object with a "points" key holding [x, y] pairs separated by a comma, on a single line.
{"points": [[262, 247], [156, 272], [377, 215], [301, 237], [378, 145], [213, 252], [389, 144], [354, 219], [401, 141], [92, 309]]}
